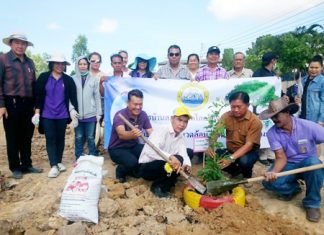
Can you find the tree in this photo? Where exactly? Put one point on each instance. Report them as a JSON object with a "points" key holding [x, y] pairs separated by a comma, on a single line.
{"points": [[40, 62], [261, 93], [80, 47], [227, 61]]}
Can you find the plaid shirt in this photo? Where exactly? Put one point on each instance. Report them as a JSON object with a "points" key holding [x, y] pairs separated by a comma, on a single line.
{"points": [[17, 78], [207, 73], [166, 72]]}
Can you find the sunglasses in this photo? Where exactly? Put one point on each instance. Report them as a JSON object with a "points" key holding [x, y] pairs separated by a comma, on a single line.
{"points": [[174, 54], [95, 62]]}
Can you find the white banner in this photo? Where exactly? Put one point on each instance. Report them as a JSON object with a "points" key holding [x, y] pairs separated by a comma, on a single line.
{"points": [[162, 96]]}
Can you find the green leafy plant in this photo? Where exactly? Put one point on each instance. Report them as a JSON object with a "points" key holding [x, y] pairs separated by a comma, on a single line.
{"points": [[215, 129]]}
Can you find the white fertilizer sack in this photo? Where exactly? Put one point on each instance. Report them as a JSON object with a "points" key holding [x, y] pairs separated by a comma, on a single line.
{"points": [[81, 193]]}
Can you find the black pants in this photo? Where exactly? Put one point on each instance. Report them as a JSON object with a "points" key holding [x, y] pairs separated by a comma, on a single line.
{"points": [[55, 139], [154, 171], [127, 159], [19, 132]]}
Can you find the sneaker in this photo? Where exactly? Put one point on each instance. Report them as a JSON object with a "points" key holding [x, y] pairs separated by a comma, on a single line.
{"points": [[313, 214], [54, 172], [121, 180], [32, 170], [61, 167], [265, 162], [290, 196], [157, 191], [17, 174]]}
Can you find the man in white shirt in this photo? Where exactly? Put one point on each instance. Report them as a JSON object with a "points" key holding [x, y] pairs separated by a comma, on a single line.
{"points": [[169, 139], [239, 71]]}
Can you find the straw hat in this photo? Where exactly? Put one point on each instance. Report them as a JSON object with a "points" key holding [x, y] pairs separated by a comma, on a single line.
{"points": [[277, 106], [18, 36], [58, 58]]}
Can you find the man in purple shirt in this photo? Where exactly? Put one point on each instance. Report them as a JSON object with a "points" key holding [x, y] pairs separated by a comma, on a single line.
{"points": [[293, 141], [17, 81], [212, 71], [124, 147]]}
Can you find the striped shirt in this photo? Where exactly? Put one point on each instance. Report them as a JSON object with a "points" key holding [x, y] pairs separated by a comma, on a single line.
{"points": [[17, 78], [207, 73], [166, 72]]}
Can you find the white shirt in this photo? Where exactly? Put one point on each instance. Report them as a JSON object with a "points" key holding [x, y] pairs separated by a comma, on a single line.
{"points": [[164, 138]]}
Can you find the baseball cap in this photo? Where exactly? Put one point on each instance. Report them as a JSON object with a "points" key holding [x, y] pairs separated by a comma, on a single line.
{"points": [[267, 57], [181, 111], [213, 49]]}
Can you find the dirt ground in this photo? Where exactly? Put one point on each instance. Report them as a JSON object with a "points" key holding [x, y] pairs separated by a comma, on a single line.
{"points": [[30, 205]]}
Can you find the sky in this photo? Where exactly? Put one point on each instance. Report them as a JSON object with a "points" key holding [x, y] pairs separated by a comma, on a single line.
{"points": [[151, 26]]}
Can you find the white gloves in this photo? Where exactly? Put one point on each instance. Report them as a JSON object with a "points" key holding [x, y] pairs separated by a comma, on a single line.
{"points": [[98, 118], [74, 116], [35, 119], [75, 122]]}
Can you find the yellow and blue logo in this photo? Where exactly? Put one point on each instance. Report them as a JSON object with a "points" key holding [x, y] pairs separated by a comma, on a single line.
{"points": [[193, 95]]}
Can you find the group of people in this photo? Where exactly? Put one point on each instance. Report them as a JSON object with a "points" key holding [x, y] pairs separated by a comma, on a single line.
{"points": [[56, 99]]}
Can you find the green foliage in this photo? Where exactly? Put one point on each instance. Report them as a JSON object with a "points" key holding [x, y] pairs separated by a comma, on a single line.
{"points": [[211, 171], [80, 47], [294, 48], [215, 129], [40, 62], [227, 61], [261, 93]]}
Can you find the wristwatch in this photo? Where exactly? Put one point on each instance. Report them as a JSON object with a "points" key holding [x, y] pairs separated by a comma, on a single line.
{"points": [[232, 158]]}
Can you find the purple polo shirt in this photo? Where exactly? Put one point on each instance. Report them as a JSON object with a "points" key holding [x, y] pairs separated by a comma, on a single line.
{"points": [[301, 143], [54, 106], [142, 121]]}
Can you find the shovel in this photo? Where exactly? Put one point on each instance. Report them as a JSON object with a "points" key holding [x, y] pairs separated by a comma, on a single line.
{"points": [[220, 186], [194, 183]]}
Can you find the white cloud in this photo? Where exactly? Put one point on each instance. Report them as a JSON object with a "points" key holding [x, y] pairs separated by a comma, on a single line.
{"points": [[54, 26], [107, 26], [257, 9]]}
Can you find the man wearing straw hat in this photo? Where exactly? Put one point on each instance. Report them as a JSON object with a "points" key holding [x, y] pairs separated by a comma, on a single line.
{"points": [[17, 80], [293, 141]]}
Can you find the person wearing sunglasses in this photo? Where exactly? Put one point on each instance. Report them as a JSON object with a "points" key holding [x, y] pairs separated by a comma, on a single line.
{"points": [[293, 141], [95, 62], [173, 69], [143, 66], [213, 70]]}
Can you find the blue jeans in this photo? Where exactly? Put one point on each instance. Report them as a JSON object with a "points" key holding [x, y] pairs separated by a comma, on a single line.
{"points": [[54, 130], [287, 185], [242, 165], [85, 130]]}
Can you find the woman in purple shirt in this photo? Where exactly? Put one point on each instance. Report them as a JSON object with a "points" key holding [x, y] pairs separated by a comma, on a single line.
{"points": [[143, 66], [56, 102]]}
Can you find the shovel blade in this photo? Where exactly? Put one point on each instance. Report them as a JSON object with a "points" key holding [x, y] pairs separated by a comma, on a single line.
{"points": [[197, 185], [220, 186]]}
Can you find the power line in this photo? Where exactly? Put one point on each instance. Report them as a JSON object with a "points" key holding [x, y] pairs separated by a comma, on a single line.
{"points": [[265, 26]]}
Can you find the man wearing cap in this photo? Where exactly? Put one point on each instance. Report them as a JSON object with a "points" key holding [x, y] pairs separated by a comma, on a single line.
{"points": [[170, 140], [239, 71], [212, 71], [243, 134], [269, 61], [17, 81], [293, 141], [124, 146], [173, 69]]}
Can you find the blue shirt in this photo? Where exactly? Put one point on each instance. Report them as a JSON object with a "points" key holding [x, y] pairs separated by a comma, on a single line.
{"points": [[54, 105], [301, 143]]}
